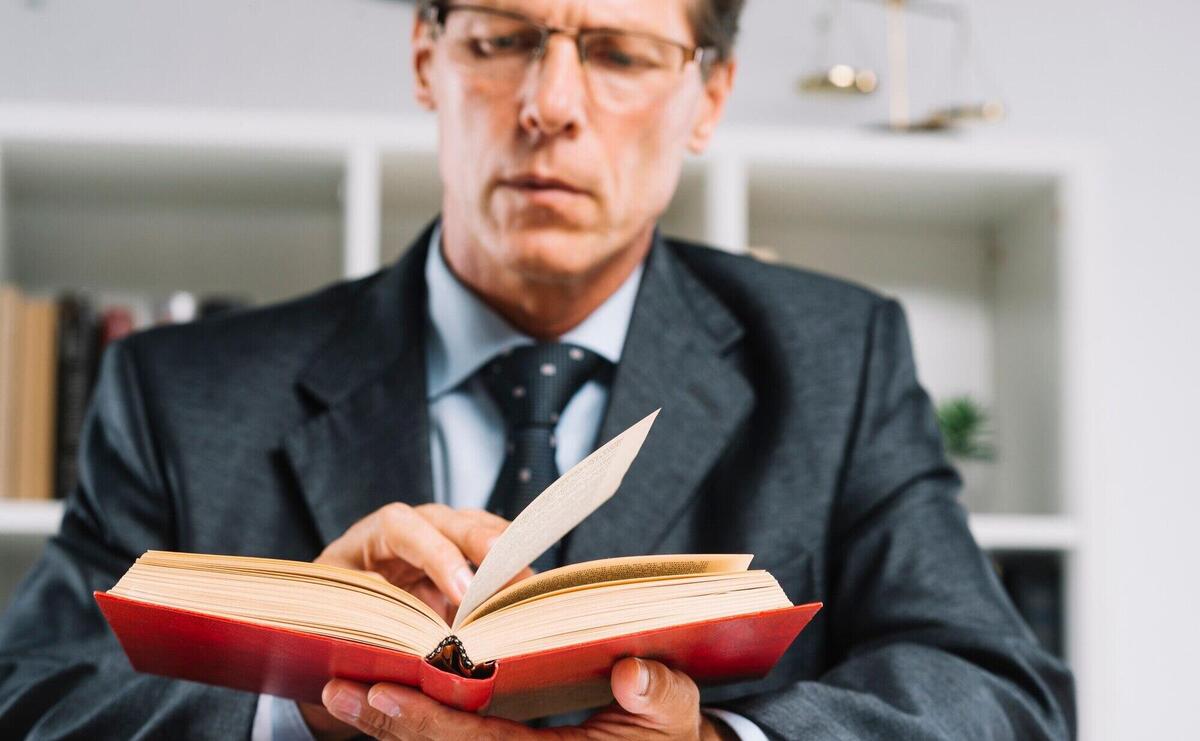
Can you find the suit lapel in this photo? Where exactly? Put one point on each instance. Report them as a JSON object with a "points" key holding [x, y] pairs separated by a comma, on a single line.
{"points": [[368, 445], [674, 359]]}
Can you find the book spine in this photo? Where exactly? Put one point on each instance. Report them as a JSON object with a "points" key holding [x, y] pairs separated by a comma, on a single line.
{"points": [[10, 355], [450, 656], [35, 433], [116, 322], [76, 360]]}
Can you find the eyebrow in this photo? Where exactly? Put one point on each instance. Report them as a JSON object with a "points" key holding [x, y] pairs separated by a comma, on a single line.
{"points": [[609, 24]]}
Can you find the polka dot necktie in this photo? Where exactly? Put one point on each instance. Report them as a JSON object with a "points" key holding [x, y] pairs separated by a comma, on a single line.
{"points": [[532, 385]]}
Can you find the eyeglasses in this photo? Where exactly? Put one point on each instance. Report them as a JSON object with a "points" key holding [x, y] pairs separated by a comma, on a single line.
{"points": [[621, 68]]}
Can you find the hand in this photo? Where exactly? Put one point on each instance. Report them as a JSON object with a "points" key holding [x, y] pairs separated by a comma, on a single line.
{"points": [[427, 551], [652, 701]]}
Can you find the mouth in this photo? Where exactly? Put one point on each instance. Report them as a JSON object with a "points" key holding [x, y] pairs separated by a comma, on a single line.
{"points": [[530, 183]]}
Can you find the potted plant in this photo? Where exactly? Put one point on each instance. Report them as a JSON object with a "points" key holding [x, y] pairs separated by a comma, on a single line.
{"points": [[967, 437]]}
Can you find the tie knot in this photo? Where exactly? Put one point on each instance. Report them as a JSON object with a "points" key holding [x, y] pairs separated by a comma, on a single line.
{"points": [[532, 384]]}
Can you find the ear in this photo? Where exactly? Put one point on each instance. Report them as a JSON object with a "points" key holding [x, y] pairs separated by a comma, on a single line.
{"points": [[423, 37], [717, 87]]}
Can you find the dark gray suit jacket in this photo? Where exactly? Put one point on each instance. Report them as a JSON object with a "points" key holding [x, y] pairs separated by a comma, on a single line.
{"points": [[792, 427]]}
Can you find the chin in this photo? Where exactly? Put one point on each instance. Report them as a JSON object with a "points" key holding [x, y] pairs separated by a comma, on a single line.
{"points": [[551, 255]]}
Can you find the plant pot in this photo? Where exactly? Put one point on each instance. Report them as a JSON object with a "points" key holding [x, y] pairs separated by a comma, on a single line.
{"points": [[979, 492]]}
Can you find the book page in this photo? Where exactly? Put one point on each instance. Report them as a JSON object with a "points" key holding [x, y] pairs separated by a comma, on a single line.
{"points": [[562, 506], [594, 573], [576, 616], [310, 598]]}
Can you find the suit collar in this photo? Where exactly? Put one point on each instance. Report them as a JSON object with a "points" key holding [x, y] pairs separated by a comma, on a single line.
{"points": [[464, 332], [384, 323], [368, 443], [676, 357]]}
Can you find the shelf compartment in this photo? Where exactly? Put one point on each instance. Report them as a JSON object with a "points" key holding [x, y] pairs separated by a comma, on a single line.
{"points": [[973, 257], [411, 197], [994, 532], [29, 518], [1025, 532], [154, 218]]}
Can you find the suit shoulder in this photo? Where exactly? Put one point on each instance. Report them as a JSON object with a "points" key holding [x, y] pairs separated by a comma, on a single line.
{"points": [[744, 281], [280, 335]]}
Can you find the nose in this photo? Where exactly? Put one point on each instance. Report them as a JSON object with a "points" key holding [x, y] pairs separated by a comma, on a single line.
{"points": [[553, 102]]}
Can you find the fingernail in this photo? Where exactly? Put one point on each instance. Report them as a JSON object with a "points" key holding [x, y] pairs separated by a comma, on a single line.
{"points": [[462, 580], [346, 705], [385, 704], [643, 685]]}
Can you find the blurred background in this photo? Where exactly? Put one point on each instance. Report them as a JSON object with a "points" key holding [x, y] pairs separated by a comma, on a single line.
{"points": [[1022, 175]]}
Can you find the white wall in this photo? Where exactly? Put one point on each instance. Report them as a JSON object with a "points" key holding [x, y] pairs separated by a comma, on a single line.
{"points": [[4, 266], [1118, 73]]}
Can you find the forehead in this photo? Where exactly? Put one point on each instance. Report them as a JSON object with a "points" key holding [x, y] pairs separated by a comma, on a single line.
{"points": [[663, 17]]}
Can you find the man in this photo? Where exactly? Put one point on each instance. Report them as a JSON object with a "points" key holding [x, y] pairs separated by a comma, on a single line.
{"points": [[370, 424]]}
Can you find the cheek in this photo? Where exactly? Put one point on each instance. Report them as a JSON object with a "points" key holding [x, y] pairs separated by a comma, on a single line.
{"points": [[650, 157], [473, 122]]}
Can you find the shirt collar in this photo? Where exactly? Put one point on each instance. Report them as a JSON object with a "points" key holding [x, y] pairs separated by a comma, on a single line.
{"points": [[464, 333]]}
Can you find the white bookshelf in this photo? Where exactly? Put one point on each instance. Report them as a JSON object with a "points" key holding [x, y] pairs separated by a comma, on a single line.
{"points": [[38, 519], [1055, 533], [994, 532], [985, 244]]}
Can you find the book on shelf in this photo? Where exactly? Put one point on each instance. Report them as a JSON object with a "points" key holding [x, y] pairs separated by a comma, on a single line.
{"points": [[35, 388], [10, 368], [27, 392], [77, 355], [50, 350], [520, 650]]}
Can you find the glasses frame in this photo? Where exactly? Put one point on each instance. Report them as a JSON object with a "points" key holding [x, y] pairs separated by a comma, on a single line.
{"points": [[435, 14]]}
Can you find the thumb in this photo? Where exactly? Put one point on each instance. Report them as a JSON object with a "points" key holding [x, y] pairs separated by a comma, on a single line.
{"points": [[664, 698]]}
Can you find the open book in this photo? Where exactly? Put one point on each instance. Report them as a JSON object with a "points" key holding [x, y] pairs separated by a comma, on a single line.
{"points": [[539, 646]]}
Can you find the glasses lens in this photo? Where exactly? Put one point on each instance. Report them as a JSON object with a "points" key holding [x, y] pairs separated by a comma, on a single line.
{"points": [[630, 54], [622, 69], [490, 44], [626, 69]]}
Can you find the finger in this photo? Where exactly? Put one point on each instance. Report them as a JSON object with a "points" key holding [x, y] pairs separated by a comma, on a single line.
{"points": [[398, 572], [485, 518], [474, 535], [351, 551], [412, 714], [347, 701], [322, 724], [493, 526], [362, 547], [403, 533], [525, 573], [428, 593], [665, 699], [346, 549], [475, 532]]}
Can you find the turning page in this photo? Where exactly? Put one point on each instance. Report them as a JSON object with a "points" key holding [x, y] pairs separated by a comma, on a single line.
{"points": [[562, 506]]}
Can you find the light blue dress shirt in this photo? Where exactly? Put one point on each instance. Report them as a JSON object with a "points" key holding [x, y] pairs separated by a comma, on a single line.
{"points": [[467, 430]]}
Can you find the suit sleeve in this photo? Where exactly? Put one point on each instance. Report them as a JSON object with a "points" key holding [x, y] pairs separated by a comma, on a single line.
{"points": [[62, 672], [925, 644]]}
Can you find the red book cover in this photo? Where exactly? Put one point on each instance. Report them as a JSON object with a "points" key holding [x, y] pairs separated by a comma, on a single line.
{"points": [[115, 322], [259, 658]]}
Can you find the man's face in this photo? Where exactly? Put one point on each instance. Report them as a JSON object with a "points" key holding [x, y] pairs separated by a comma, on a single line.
{"points": [[550, 179]]}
